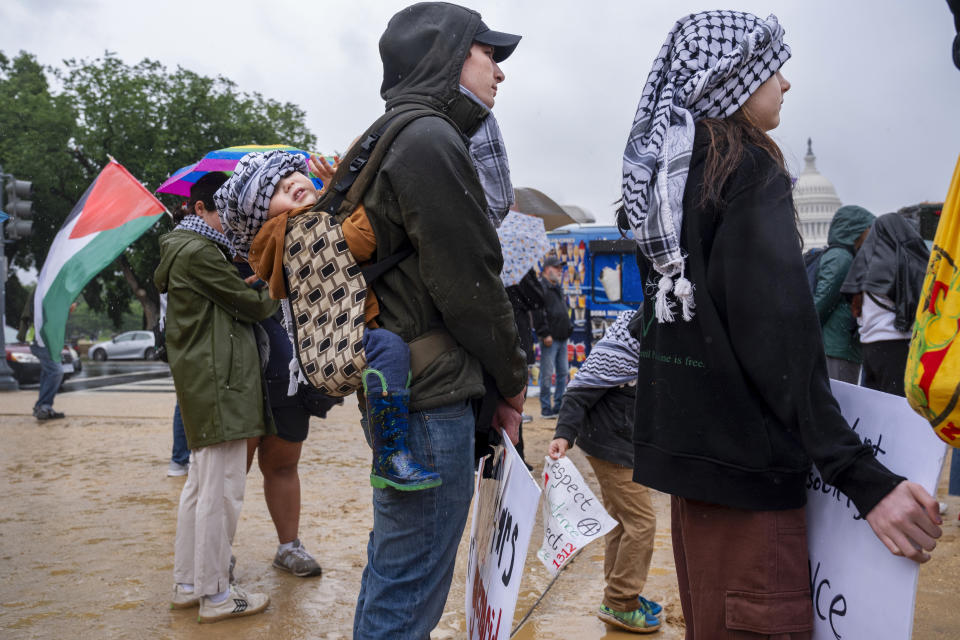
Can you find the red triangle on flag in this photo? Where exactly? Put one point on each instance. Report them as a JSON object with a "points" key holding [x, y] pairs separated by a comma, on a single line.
{"points": [[115, 199]]}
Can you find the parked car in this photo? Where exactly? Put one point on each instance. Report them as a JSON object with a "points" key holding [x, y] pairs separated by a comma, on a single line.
{"points": [[26, 366], [130, 345]]}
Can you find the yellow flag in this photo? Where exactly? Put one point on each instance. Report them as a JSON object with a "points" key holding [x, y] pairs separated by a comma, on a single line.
{"points": [[932, 377]]}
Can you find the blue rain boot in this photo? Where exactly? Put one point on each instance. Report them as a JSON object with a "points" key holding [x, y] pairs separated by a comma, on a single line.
{"points": [[393, 464]]}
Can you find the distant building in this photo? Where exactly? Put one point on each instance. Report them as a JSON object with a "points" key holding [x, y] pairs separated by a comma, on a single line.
{"points": [[816, 201]]}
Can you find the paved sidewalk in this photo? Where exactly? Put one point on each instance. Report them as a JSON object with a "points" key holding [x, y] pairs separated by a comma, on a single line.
{"points": [[87, 521]]}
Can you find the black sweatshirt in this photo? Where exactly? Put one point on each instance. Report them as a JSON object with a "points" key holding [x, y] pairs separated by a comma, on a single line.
{"points": [[554, 318], [600, 421], [733, 405]]}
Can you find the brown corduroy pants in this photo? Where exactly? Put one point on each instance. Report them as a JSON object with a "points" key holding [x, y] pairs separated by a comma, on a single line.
{"points": [[743, 575]]}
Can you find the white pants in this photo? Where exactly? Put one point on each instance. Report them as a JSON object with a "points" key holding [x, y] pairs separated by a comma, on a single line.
{"points": [[207, 520]]}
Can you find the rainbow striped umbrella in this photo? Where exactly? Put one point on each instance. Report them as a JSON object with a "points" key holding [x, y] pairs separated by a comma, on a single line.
{"points": [[224, 160]]}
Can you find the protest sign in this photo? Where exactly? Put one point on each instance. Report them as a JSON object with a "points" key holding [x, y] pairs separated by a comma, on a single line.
{"points": [[504, 511], [860, 589], [572, 515]]}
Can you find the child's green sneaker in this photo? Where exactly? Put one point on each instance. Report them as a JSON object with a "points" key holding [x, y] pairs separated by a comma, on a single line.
{"points": [[636, 621]]}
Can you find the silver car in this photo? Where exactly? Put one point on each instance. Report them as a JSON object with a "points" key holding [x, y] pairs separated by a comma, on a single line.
{"points": [[131, 344]]}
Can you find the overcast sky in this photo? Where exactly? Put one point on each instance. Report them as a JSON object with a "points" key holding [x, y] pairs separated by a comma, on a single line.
{"points": [[873, 82]]}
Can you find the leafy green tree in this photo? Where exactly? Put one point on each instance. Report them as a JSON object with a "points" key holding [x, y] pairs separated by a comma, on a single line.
{"points": [[36, 128], [151, 119]]}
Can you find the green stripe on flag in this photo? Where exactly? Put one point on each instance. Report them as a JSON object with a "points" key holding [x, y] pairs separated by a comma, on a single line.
{"points": [[77, 272]]}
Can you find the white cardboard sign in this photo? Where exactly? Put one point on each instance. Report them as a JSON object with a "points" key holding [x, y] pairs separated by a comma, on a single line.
{"points": [[860, 589], [504, 512], [572, 516]]}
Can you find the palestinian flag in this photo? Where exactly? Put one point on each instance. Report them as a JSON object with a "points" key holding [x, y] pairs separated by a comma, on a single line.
{"points": [[115, 210]]}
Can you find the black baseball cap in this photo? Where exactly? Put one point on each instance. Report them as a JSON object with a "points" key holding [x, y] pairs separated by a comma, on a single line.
{"points": [[503, 43]]}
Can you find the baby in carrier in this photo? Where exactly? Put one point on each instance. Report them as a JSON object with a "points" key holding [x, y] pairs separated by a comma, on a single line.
{"points": [[255, 203]]}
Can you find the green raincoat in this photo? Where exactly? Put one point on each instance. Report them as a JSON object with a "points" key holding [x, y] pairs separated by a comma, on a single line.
{"points": [[837, 323], [211, 345]]}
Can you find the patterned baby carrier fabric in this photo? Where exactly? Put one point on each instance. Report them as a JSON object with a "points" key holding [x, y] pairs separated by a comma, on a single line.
{"points": [[326, 287], [327, 292]]}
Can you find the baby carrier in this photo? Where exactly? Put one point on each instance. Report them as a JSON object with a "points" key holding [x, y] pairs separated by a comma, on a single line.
{"points": [[326, 287]]}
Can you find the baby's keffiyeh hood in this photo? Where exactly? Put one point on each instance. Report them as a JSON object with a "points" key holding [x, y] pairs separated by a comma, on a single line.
{"points": [[244, 199], [709, 65]]}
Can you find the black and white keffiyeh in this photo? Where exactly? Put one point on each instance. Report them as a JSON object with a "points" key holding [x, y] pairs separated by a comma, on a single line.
{"points": [[244, 198], [709, 65], [613, 360], [489, 156], [197, 224]]}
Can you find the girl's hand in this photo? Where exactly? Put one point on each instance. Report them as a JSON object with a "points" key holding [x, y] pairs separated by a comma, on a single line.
{"points": [[907, 521]]}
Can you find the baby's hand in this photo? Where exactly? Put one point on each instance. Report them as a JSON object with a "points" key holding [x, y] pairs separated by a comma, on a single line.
{"points": [[322, 169]]}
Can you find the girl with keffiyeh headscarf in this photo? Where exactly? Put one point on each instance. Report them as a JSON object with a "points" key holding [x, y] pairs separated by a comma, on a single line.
{"points": [[733, 398]]}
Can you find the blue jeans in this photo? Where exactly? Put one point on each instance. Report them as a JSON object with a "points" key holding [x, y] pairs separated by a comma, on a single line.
{"points": [[553, 359], [180, 453], [954, 486], [51, 375], [413, 545]]}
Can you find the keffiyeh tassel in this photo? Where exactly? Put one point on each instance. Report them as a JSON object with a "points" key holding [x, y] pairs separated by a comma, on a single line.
{"points": [[682, 290]]}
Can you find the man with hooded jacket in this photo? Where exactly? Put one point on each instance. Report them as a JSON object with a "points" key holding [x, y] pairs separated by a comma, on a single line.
{"points": [[847, 231], [439, 188]]}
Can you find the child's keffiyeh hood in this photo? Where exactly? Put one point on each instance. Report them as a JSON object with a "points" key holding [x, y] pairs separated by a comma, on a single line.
{"points": [[613, 360], [244, 199], [709, 65]]}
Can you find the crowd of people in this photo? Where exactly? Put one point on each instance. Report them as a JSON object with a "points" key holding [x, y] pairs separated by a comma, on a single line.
{"points": [[706, 195]]}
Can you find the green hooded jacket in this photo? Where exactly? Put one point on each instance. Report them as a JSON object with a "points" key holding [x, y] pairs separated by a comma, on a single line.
{"points": [[211, 345], [427, 191], [837, 323]]}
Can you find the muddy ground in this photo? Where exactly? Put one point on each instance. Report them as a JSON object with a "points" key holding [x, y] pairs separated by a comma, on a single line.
{"points": [[87, 520]]}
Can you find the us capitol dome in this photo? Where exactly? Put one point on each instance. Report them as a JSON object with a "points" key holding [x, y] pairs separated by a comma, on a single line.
{"points": [[816, 201]]}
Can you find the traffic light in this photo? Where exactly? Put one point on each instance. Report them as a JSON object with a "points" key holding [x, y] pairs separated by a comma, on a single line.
{"points": [[19, 207]]}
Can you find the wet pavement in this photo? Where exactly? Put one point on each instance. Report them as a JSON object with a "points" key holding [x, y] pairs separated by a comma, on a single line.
{"points": [[87, 520], [110, 373], [95, 375]]}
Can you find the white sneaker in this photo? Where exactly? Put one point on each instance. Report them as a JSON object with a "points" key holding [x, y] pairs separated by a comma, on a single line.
{"points": [[238, 603], [183, 599], [175, 469]]}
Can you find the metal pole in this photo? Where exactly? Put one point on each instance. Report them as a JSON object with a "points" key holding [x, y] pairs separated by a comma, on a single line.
{"points": [[7, 381]]}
